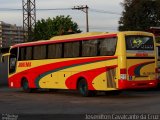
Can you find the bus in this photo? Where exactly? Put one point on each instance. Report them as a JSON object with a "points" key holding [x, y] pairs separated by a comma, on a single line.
{"points": [[87, 62]]}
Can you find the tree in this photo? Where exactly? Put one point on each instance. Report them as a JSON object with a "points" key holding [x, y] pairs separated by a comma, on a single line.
{"points": [[140, 15], [60, 25]]}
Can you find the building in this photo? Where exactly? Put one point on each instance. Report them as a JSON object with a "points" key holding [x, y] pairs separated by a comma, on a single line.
{"points": [[156, 32], [10, 34]]}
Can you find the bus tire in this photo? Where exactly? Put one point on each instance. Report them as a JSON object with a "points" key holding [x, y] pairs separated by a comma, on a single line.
{"points": [[25, 86], [83, 88]]}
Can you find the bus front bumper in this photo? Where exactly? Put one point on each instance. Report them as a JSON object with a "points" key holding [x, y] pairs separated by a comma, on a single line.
{"points": [[125, 84]]}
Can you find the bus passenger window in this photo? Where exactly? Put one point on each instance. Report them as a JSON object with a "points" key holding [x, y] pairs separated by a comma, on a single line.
{"points": [[75, 49], [54, 51], [107, 46], [89, 48], [22, 53], [29, 53], [39, 52], [71, 49]]}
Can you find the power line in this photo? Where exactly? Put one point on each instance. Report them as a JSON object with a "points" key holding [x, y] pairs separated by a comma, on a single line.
{"points": [[83, 8], [54, 9], [103, 11], [12, 9]]}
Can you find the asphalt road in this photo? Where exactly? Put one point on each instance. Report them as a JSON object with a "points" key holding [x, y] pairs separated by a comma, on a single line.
{"points": [[15, 101]]}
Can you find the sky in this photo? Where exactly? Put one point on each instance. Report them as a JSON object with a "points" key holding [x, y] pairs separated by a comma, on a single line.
{"points": [[98, 21]]}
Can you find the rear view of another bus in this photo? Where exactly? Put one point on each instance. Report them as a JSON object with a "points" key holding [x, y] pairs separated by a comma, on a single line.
{"points": [[140, 66]]}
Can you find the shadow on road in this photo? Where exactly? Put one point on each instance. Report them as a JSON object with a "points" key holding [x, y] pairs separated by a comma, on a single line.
{"points": [[129, 94]]}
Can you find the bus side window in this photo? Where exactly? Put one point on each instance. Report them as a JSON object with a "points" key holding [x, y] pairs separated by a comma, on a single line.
{"points": [[71, 49], [22, 54], [39, 52], [29, 53], [54, 51], [89, 48], [107, 46], [75, 49]]}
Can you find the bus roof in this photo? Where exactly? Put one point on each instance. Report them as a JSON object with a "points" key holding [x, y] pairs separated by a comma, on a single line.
{"points": [[63, 38], [76, 37], [79, 35]]}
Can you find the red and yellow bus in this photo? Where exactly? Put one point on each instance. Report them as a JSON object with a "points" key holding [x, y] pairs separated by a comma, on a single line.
{"points": [[87, 62]]}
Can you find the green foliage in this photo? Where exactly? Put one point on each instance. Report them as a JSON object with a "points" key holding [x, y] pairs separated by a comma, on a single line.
{"points": [[60, 25], [140, 15]]}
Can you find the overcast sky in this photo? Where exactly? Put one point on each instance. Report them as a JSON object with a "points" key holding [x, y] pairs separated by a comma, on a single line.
{"points": [[97, 21]]}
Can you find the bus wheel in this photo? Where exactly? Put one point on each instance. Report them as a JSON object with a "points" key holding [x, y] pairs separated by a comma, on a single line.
{"points": [[25, 86], [83, 89]]}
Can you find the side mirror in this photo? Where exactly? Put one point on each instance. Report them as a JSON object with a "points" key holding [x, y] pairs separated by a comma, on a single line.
{"points": [[2, 59]]}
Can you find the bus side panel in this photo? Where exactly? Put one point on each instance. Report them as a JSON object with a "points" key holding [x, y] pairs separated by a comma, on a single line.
{"points": [[94, 73], [53, 73], [24, 70], [96, 78]]}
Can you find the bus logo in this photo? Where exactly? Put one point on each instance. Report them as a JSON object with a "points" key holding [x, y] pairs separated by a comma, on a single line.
{"points": [[25, 64], [136, 43]]}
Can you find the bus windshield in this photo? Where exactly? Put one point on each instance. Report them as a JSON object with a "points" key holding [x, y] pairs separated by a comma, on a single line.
{"points": [[12, 60], [137, 42]]}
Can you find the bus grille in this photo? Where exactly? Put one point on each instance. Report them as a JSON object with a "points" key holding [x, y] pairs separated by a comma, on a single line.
{"points": [[110, 74]]}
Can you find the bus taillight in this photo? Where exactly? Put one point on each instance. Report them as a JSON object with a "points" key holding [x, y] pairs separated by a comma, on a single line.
{"points": [[157, 70], [157, 73], [123, 74]]}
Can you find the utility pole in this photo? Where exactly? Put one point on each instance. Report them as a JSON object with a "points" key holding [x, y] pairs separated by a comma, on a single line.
{"points": [[85, 10], [29, 18]]}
